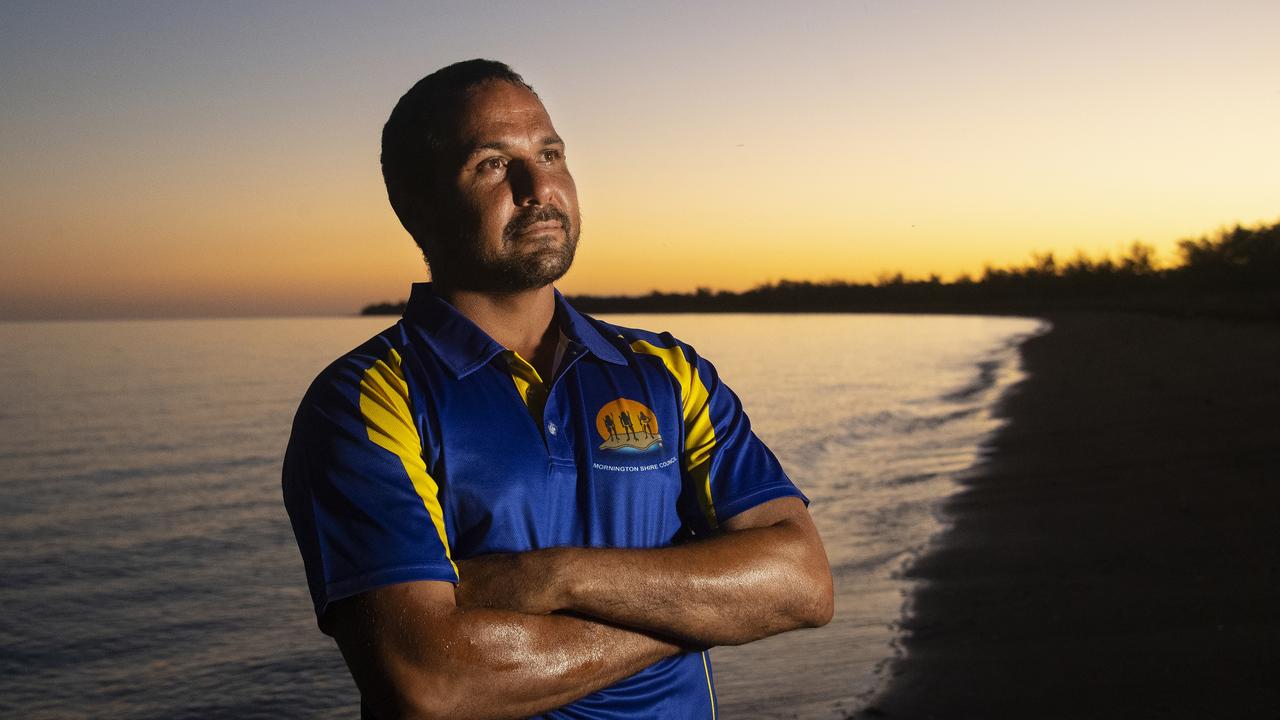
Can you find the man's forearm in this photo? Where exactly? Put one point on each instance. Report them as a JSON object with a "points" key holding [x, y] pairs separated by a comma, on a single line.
{"points": [[729, 589], [480, 663], [519, 665], [726, 590]]}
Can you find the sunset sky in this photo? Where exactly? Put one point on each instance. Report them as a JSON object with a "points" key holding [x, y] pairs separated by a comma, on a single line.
{"points": [[221, 159]]}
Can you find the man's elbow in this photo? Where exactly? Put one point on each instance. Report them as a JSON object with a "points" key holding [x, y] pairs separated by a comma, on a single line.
{"points": [[823, 606], [425, 697], [816, 600], [812, 587]]}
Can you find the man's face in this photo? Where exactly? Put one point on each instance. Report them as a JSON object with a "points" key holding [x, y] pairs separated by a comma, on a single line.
{"points": [[513, 224]]}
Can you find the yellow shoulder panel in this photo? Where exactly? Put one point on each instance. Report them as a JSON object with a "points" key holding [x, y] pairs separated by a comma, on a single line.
{"points": [[384, 405], [699, 435]]}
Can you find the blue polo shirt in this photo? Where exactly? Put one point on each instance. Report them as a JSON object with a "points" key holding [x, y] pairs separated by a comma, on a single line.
{"points": [[432, 443]]}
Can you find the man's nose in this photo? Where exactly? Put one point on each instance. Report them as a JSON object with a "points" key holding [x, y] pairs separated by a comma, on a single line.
{"points": [[530, 183]]}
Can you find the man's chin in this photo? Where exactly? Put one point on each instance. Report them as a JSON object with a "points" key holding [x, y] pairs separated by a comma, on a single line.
{"points": [[550, 258], [548, 266], [529, 272]]}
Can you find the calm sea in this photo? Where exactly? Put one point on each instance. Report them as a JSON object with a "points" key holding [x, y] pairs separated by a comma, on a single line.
{"points": [[147, 568]]}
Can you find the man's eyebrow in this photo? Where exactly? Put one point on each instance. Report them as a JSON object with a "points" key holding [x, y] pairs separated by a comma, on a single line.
{"points": [[491, 145], [501, 146]]}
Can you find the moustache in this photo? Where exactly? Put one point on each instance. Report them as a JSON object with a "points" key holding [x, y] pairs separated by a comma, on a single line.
{"points": [[542, 213]]}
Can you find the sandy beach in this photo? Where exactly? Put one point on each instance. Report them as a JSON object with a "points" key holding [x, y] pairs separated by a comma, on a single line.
{"points": [[1118, 553]]}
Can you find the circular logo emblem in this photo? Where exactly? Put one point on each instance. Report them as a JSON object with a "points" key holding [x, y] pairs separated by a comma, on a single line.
{"points": [[627, 424]]}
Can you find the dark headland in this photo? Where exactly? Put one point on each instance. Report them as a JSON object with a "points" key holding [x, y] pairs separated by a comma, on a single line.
{"points": [[1118, 553]]}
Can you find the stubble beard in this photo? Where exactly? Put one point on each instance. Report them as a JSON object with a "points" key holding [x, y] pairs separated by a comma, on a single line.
{"points": [[518, 265]]}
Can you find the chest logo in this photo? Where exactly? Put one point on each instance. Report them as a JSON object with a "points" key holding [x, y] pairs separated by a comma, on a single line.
{"points": [[627, 426]]}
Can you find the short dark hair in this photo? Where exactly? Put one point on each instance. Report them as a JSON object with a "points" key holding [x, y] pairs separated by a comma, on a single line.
{"points": [[421, 125]]}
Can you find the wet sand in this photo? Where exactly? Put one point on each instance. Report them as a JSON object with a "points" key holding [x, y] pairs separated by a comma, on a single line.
{"points": [[1118, 554]]}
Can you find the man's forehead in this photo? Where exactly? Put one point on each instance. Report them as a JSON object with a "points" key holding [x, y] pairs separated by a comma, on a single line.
{"points": [[496, 108]]}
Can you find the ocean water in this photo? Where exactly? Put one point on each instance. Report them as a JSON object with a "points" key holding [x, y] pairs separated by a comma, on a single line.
{"points": [[147, 568]]}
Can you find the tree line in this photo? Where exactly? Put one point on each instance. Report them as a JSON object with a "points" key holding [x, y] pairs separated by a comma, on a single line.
{"points": [[1234, 272]]}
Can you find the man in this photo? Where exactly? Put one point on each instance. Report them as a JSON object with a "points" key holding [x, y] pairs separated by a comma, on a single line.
{"points": [[470, 542]]}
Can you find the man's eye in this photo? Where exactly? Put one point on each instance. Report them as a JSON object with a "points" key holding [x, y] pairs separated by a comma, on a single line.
{"points": [[493, 164], [551, 155]]}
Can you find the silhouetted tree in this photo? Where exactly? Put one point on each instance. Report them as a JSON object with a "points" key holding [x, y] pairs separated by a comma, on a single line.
{"points": [[1235, 272]]}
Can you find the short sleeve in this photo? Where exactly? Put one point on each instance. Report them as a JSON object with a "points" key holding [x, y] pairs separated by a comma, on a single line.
{"points": [[364, 509], [727, 467]]}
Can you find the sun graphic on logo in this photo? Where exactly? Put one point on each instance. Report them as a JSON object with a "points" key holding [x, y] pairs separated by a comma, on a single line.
{"points": [[628, 424]]}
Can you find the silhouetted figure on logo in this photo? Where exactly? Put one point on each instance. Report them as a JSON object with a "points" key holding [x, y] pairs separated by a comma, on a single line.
{"points": [[613, 429], [625, 418], [645, 421]]}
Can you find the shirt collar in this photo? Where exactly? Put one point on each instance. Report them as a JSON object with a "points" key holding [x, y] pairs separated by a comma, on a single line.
{"points": [[464, 347], [581, 330]]}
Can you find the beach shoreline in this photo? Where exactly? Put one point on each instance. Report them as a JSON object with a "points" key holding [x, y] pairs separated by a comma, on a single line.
{"points": [[1114, 553]]}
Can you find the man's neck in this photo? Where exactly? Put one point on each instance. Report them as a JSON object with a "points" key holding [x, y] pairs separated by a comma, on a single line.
{"points": [[523, 321]]}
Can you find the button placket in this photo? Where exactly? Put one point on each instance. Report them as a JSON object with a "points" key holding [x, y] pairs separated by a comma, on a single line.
{"points": [[556, 431]]}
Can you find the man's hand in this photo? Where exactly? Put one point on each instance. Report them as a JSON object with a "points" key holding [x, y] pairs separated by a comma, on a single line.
{"points": [[765, 574]]}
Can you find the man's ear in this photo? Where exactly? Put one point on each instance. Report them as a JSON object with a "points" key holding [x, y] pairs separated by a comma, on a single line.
{"points": [[409, 209], [423, 224]]}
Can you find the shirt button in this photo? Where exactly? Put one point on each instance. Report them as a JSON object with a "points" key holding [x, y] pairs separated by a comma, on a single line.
{"points": [[551, 428]]}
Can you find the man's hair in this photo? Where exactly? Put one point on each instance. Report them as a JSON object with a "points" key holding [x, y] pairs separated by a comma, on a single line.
{"points": [[417, 134]]}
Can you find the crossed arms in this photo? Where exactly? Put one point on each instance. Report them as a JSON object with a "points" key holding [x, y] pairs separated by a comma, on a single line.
{"points": [[527, 632]]}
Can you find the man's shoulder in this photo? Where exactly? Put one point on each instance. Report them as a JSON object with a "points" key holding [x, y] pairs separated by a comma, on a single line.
{"points": [[639, 341], [380, 356]]}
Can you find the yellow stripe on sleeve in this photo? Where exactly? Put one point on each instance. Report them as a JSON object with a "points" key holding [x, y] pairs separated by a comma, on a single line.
{"points": [[384, 406], [710, 691], [699, 435]]}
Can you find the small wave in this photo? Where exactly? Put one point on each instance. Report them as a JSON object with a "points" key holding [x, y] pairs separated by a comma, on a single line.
{"points": [[867, 563], [989, 369], [887, 423], [910, 479], [988, 374], [929, 422], [43, 452], [210, 467]]}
